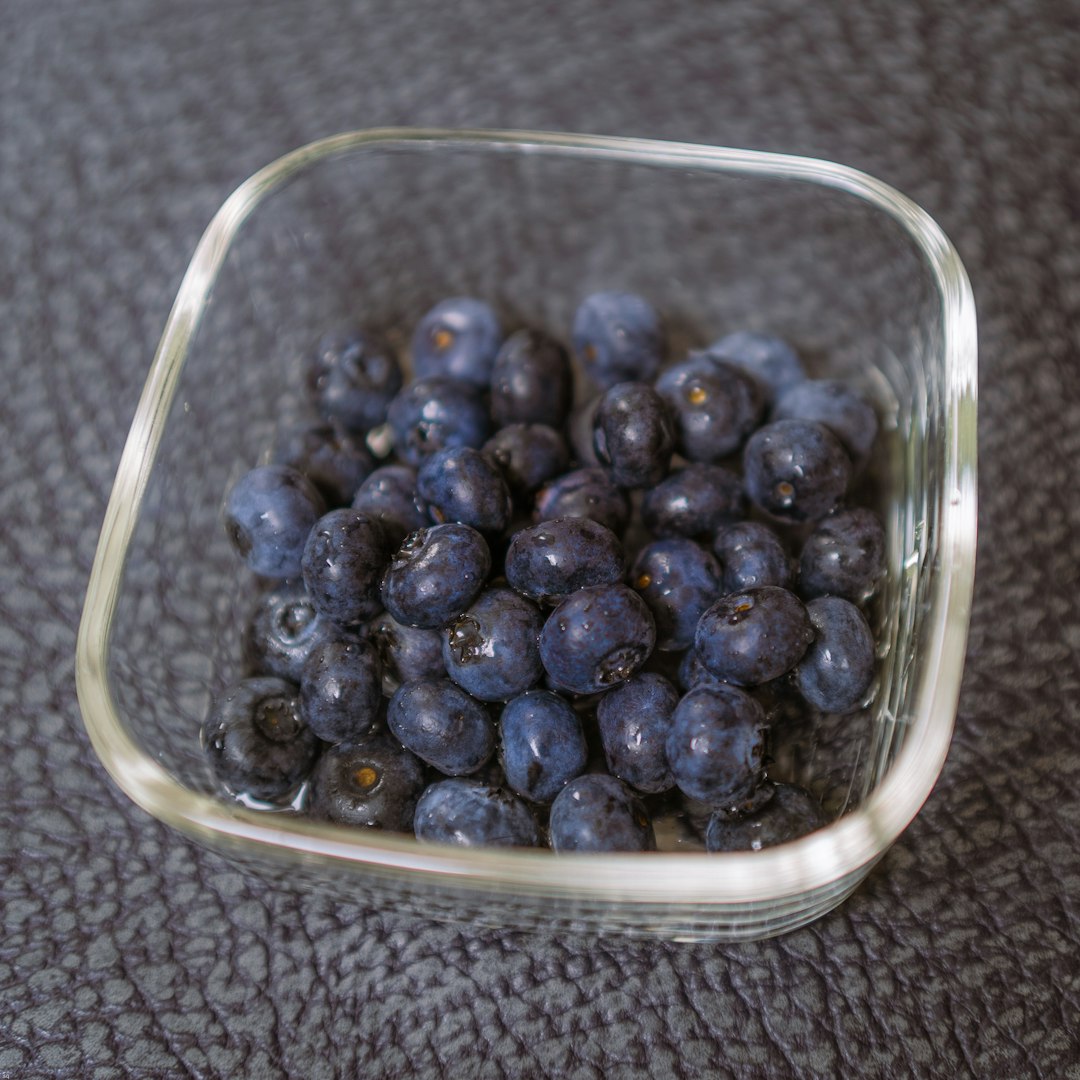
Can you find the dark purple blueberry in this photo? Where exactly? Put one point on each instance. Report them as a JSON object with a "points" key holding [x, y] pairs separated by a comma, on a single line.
{"points": [[352, 376], [751, 555], [432, 414], [599, 813], [714, 406], [790, 813], [542, 745], [464, 485], [694, 502], [693, 673], [716, 745], [442, 725], [457, 338], [283, 629], [531, 382], [678, 580], [333, 461], [618, 337], [584, 493], [597, 637], [529, 455], [838, 667], [634, 719], [256, 740], [795, 470], [555, 558], [435, 575], [753, 636], [389, 495], [843, 556], [341, 689], [771, 361], [268, 515], [467, 813], [492, 650], [407, 652], [835, 405], [343, 565], [372, 782], [633, 435]]}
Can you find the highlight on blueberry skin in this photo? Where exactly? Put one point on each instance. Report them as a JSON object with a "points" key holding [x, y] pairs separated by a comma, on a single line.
{"points": [[597, 813], [458, 338], [633, 435], [843, 556], [585, 493], [432, 414], [341, 689], [529, 455], [634, 719], [389, 496], [542, 745], [406, 653], [790, 813], [694, 501], [352, 376], [281, 632], [835, 405], [836, 672], [618, 337], [751, 555], [549, 561], [462, 484], [442, 725], [678, 580], [469, 813], [531, 381], [343, 562]]}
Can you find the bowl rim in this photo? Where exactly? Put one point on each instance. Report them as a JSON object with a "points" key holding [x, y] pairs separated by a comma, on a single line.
{"points": [[825, 858]]}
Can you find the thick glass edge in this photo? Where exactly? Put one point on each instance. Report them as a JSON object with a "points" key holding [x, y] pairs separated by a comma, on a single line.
{"points": [[811, 863]]}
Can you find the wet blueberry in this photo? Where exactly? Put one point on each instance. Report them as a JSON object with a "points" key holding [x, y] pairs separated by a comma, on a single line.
{"points": [[597, 637], [256, 740], [836, 405], [634, 719], [753, 636], [838, 667], [269, 512], [468, 813], [492, 650], [432, 414], [751, 555], [843, 556], [344, 559], [333, 461], [618, 337], [457, 338], [435, 575], [633, 435], [694, 502], [678, 580], [585, 493], [790, 813], [341, 689], [442, 725], [407, 652], [529, 455], [771, 361], [795, 470], [599, 813], [531, 382], [542, 745], [352, 376], [693, 673], [389, 495], [462, 484], [283, 629], [555, 558]]}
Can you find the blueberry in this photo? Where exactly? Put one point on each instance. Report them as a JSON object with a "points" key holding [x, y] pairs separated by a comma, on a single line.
{"points": [[531, 382], [344, 559], [714, 406], [555, 558], [462, 484], [467, 813], [352, 377], [678, 580], [634, 719], [790, 813], [432, 414], [753, 636], [268, 515], [457, 338], [584, 493], [283, 629], [389, 495], [599, 813], [716, 745], [838, 667], [491, 650], [771, 361], [371, 782], [693, 673], [333, 461], [633, 435], [341, 689], [442, 725], [795, 470], [435, 575], [529, 455], [256, 740], [835, 405], [543, 746], [694, 502], [751, 555], [618, 338], [597, 637], [407, 653], [843, 556]]}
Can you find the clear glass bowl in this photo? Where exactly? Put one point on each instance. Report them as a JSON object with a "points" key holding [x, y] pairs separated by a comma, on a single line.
{"points": [[380, 225]]}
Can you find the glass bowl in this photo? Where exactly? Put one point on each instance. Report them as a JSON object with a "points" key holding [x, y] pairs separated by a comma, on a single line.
{"points": [[379, 225]]}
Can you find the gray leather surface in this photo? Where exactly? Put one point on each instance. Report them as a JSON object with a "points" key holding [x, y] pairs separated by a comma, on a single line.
{"points": [[127, 952]]}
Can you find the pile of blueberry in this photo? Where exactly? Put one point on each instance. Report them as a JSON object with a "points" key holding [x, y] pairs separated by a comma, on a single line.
{"points": [[532, 624]]}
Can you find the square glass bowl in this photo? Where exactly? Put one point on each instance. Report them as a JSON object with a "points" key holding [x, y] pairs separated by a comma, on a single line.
{"points": [[377, 226]]}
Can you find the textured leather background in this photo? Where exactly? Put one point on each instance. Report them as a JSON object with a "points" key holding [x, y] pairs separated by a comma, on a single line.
{"points": [[127, 952]]}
